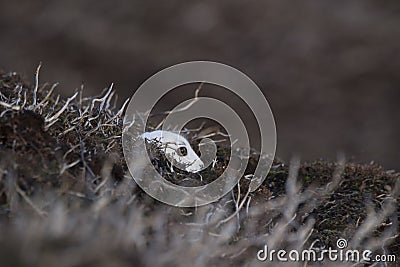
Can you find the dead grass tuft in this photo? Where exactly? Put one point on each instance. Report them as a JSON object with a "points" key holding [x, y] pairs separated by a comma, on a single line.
{"points": [[66, 198]]}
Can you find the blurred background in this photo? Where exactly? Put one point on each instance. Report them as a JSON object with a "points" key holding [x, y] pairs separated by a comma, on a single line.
{"points": [[329, 69]]}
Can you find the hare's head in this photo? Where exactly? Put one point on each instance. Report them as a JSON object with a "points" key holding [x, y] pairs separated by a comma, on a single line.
{"points": [[176, 148]]}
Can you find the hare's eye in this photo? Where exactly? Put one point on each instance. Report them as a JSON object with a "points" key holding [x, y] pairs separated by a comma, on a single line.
{"points": [[182, 151]]}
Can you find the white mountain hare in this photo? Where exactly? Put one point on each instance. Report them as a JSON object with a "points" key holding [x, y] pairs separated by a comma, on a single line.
{"points": [[177, 147]]}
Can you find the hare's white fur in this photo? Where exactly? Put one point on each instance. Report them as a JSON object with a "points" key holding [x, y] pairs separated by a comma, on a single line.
{"points": [[171, 142]]}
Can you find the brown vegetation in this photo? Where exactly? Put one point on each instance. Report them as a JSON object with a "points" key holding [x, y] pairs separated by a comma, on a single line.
{"points": [[66, 198]]}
